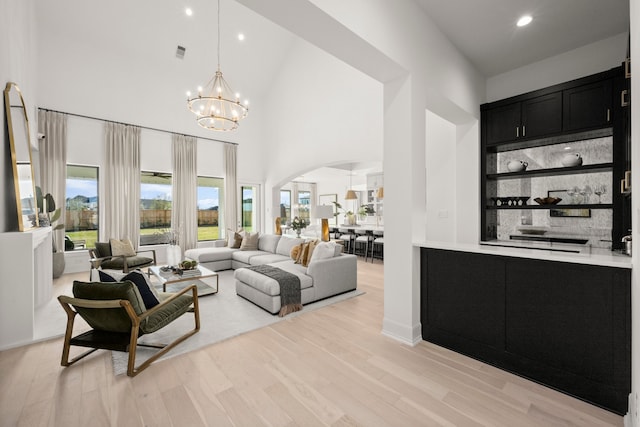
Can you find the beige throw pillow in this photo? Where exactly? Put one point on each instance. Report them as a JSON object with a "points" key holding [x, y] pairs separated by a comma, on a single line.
{"points": [[249, 242], [305, 253], [121, 247], [234, 238]]}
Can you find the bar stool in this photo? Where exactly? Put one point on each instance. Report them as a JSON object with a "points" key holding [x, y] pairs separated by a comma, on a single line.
{"points": [[377, 246], [361, 244], [347, 237]]}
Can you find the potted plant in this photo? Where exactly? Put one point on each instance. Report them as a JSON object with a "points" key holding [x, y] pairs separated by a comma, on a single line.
{"points": [[365, 210], [298, 224], [349, 216], [49, 215]]}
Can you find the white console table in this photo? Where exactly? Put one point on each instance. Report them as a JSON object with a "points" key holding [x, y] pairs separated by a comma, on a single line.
{"points": [[26, 265]]}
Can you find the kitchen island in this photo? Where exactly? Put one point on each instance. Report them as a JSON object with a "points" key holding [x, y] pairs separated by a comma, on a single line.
{"points": [[559, 318]]}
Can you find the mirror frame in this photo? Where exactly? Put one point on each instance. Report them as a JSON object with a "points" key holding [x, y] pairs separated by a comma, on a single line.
{"points": [[14, 160]]}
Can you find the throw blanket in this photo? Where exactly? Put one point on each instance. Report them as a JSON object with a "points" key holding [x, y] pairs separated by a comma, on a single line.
{"points": [[290, 296]]}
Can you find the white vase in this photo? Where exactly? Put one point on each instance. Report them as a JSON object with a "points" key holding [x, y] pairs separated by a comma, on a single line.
{"points": [[174, 255]]}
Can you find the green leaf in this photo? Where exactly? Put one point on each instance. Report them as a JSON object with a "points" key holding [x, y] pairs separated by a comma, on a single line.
{"points": [[51, 204], [55, 216]]}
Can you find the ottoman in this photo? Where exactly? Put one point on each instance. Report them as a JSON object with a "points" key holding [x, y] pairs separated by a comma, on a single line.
{"points": [[264, 291]]}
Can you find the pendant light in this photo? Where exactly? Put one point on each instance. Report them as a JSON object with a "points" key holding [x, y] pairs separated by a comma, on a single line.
{"points": [[351, 195], [219, 108]]}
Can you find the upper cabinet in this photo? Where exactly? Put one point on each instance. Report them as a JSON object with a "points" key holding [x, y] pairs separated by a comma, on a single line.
{"points": [[587, 106], [570, 107], [531, 118]]}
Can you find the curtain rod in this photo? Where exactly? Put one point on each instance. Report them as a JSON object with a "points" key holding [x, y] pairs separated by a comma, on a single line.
{"points": [[141, 127]]}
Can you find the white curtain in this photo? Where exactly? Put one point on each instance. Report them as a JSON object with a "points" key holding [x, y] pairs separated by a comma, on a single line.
{"points": [[184, 214], [120, 211], [53, 164], [230, 187]]}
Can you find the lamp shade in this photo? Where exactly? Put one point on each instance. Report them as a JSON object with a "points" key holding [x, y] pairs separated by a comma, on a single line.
{"points": [[351, 195], [380, 193], [324, 211]]}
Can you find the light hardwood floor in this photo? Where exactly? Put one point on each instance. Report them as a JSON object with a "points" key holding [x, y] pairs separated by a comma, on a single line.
{"points": [[329, 367]]}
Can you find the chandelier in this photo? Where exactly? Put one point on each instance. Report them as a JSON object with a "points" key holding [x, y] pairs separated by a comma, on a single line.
{"points": [[218, 107]]}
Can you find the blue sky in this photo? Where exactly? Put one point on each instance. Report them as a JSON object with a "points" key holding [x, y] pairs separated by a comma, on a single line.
{"points": [[207, 196]]}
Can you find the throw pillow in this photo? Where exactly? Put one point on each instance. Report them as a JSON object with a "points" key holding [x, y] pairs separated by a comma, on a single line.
{"points": [[139, 279], [121, 247], [234, 238], [250, 242], [324, 250], [306, 251], [295, 252]]}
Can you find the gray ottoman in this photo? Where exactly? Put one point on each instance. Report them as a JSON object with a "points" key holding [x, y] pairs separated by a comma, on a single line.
{"points": [[264, 291]]}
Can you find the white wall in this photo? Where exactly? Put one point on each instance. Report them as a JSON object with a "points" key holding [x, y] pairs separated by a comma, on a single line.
{"points": [[321, 112], [18, 64], [583, 61], [441, 181]]}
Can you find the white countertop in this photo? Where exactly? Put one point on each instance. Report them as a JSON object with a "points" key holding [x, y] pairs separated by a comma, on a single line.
{"points": [[537, 250]]}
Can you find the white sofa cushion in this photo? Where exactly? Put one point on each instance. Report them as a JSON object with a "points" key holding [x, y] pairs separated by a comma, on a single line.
{"points": [[268, 242], [267, 259], [245, 256], [286, 244], [210, 254], [324, 250]]}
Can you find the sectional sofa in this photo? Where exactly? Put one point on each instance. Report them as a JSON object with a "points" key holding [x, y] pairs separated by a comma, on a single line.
{"points": [[322, 278]]}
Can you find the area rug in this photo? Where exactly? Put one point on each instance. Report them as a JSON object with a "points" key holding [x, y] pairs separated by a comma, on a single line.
{"points": [[222, 316]]}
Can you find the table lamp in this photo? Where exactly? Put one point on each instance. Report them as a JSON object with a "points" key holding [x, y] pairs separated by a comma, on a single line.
{"points": [[324, 212]]}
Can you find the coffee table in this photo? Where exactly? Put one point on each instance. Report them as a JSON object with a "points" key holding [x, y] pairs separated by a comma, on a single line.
{"points": [[175, 282]]}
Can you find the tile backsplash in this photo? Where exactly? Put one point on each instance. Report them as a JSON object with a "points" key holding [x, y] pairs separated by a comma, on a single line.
{"points": [[594, 224]]}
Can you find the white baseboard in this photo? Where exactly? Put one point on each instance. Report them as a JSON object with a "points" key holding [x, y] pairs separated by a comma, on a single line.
{"points": [[400, 332]]}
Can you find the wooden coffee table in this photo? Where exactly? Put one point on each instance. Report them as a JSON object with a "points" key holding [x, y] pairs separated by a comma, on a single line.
{"points": [[175, 281]]}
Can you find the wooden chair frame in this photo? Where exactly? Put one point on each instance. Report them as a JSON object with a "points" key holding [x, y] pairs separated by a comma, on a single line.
{"points": [[131, 338], [97, 261]]}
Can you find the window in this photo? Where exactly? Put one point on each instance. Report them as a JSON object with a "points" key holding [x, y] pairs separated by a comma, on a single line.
{"points": [[210, 207], [155, 207], [81, 207], [285, 206], [304, 205], [249, 207]]}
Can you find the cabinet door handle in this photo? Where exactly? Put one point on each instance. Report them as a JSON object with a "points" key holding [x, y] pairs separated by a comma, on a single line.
{"points": [[623, 102], [523, 130], [608, 114], [627, 68], [517, 131]]}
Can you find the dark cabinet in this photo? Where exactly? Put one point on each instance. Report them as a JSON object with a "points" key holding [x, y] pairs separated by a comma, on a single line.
{"points": [[503, 123], [532, 118], [561, 324], [588, 106]]}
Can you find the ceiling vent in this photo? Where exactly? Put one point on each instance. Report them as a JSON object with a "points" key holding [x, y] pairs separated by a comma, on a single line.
{"points": [[180, 52]]}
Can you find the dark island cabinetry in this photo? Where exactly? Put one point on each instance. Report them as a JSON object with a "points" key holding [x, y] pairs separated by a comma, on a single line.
{"points": [[565, 325]]}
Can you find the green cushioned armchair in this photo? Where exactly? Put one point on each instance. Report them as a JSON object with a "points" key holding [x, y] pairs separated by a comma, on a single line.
{"points": [[101, 257], [118, 317]]}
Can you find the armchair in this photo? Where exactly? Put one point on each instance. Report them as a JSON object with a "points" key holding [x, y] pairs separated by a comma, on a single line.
{"points": [[118, 317], [101, 257]]}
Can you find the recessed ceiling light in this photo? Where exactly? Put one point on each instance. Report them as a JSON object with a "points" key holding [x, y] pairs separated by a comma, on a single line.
{"points": [[240, 36], [525, 20], [188, 11]]}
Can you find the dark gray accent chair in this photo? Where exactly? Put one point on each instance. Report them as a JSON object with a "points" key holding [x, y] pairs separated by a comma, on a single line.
{"points": [[117, 316], [101, 257]]}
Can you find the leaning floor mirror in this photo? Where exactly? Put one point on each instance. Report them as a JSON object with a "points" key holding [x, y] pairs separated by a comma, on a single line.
{"points": [[20, 147]]}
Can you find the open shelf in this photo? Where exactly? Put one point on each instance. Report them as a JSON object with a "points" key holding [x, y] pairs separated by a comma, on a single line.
{"points": [[583, 206], [599, 167]]}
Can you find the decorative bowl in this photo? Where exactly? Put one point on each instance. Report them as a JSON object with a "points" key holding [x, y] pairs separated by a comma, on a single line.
{"points": [[547, 200]]}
